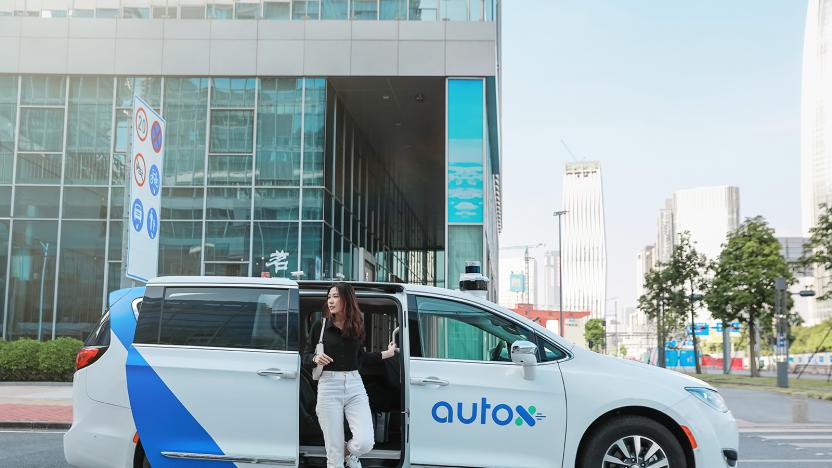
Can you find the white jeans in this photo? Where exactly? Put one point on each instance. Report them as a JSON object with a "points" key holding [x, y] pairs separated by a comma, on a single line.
{"points": [[342, 394]]}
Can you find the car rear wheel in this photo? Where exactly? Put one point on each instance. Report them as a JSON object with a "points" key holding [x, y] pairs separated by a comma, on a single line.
{"points": [[633, 442]]}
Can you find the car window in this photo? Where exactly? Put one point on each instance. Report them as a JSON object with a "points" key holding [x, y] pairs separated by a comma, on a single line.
{"points": [[549, 351], [100, 335], [255, 318], [453, 330]]}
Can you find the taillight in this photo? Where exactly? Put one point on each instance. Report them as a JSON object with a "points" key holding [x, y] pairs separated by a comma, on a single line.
{"points": [[88, 355]]}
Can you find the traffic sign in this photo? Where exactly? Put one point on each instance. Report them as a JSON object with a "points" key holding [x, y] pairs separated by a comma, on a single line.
{"points": [[145, 191]]}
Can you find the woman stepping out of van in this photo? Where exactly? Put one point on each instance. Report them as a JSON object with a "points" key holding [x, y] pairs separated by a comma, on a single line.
{"points": [[340, 388]]}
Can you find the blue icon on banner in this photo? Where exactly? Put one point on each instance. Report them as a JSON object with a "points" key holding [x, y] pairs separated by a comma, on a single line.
{"points": [[154, 180], [137, 215], [152, 223]]}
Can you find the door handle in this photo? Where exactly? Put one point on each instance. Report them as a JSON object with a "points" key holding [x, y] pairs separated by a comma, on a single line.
{"points": [[277, 373], [429, 381]]}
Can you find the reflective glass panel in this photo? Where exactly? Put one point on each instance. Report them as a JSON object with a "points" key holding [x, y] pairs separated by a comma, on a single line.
{"points": [[147, 88], [227, 241], [116, 240], [36, 202], [220, 11], [232, 131], [41, 130], [87, 168], [276, 204], [245, 10], [226, 269], [36, 168], [455, 10], [334, 9], [117, 203], [225, 169], [185, 111], [233, 92], [180, 247], [278, 132], [229, 203], [313, 204], [4, 257], [43, 90], [5, 201], [81, 277], [275, 249], [137, 13], [123, 123], [90, 118], [183, 203], [8, 113], [119, 170], [279, 10], [306, 9], [314, 132], [32, 279], [393, 10], [311, 261], [424, 10], [364, 9], [192, 12], [85, 203]]}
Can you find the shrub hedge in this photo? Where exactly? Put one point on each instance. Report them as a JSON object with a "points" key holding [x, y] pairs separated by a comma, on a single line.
{"points": [[27, 360]]}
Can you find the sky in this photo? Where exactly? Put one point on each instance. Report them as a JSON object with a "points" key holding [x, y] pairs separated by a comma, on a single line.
{"points": [[666, 95]]}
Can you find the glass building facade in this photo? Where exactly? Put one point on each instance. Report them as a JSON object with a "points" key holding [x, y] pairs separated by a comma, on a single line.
{"points": [[266, 175], [298, 10]]}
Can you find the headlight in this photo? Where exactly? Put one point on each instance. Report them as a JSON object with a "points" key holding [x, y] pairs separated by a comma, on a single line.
{"points": [[710, 397]]}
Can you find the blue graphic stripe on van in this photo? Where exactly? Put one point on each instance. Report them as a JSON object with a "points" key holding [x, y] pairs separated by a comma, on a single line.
{"points": [[122, 319], [163, 422]]}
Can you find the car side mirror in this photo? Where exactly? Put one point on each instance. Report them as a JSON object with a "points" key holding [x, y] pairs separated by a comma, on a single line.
{"points": [[524, 353]]}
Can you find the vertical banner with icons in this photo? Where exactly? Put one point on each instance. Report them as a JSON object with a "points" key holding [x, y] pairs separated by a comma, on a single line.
{"points": [[145, 202]]}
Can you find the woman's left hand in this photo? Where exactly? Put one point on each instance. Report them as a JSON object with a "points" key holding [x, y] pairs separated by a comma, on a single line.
{"points": [[391, 350]]}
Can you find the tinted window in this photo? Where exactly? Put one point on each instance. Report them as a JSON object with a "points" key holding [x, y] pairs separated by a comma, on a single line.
{"points": [[100, 335], [550, 352], [453, 330], [147, 328], [225, 317]]}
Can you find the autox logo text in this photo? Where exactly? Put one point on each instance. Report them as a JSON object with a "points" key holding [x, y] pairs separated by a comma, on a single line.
{"points": [[483, 412]]}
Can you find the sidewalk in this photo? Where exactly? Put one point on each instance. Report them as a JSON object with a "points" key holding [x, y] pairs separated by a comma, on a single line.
{"points": [[32, 405]]}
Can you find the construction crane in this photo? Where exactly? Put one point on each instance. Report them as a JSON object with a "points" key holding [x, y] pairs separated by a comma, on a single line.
{"points": [[525, 264]]}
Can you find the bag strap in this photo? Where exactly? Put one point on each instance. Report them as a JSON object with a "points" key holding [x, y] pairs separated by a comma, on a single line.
{"points": [[323, 327]]}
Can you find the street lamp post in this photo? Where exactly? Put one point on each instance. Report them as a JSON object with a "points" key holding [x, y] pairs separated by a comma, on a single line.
{"points": [[560, 273], [782, 323]]}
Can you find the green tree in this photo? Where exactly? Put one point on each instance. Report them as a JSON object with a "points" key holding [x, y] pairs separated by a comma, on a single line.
{"points": [[743, 284], [595, 334], [818, 251], [664, 303], [688, 271], [622, 350]]}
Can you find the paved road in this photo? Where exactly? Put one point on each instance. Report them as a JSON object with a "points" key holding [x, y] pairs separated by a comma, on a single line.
{"points": [[769, 437], [32, 449]]}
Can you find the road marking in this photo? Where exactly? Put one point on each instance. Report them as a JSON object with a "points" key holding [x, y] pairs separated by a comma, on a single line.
{"points": [[795, 437], [775, 430], [812, 444], [744, 461]]}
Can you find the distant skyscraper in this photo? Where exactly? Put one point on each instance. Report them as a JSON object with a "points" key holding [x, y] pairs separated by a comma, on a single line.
{"points": [[816, 129], [665, 236], [584, 239], [709, 214], [550, 280]]}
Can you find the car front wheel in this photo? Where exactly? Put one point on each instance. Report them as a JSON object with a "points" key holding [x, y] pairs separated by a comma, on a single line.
{"points": [[633, 442]]}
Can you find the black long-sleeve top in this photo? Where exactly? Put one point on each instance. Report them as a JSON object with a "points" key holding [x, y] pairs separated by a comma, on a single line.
{"points": [[348, 354]]}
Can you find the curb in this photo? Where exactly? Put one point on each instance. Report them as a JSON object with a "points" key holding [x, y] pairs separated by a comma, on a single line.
{"points": [[35, 425], [35, 384]]}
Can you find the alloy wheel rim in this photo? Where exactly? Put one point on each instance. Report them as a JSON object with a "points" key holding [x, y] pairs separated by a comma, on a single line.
{"points": [[635, 451]]}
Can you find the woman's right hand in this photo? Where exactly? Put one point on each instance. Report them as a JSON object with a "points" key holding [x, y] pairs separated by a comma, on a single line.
{"points": [[322, 359]]}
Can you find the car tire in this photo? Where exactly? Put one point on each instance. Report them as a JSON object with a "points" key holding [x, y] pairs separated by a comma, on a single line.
{"points": [[619, 437]]}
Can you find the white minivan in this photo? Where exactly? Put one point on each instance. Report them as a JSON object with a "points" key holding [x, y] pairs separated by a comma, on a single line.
{"points": [[206, 371]]}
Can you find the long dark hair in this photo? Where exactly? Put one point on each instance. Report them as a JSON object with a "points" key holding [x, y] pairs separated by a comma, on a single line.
{"points": [[353, 320]]}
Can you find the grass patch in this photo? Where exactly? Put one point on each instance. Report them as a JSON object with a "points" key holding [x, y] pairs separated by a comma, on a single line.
{"points": [[815, 388]]}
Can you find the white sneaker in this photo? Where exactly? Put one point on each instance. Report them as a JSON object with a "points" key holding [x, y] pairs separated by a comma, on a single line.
{"points": [[352, 461]]}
